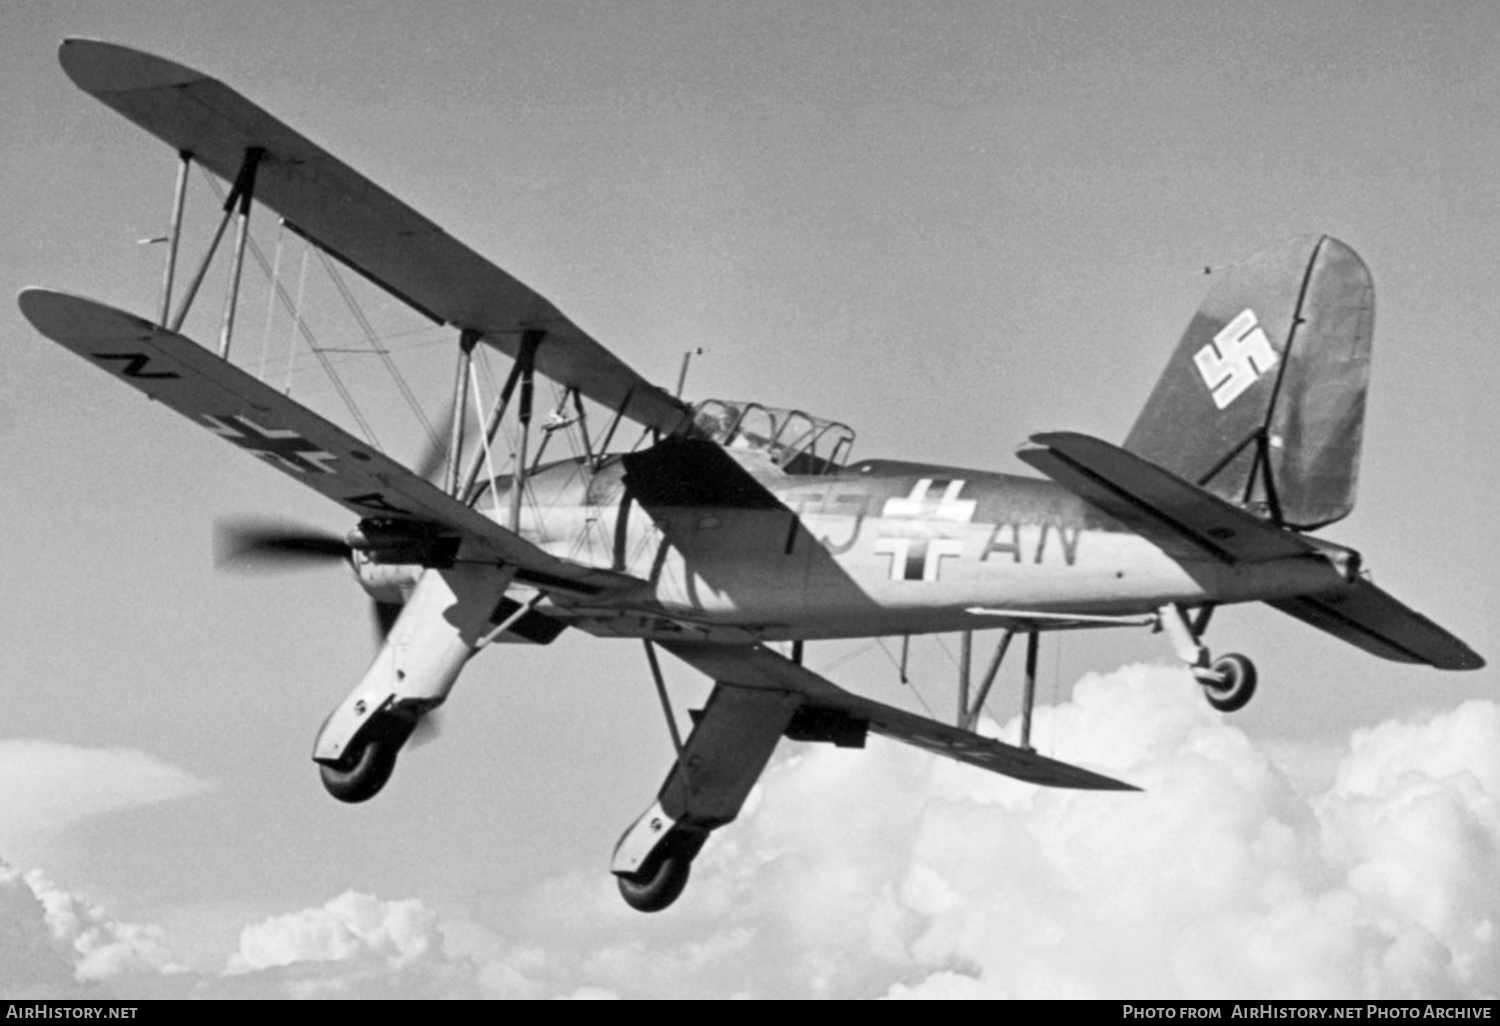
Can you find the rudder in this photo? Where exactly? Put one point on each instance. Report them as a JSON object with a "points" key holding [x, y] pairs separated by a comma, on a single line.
{"points": [[1263, 401]]}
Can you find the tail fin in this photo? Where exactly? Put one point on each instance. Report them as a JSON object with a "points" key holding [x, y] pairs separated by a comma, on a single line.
{"points": [[1263, 401]]}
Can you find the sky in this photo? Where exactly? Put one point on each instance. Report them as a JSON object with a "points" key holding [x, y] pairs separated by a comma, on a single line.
{"points": [[949, 225]]}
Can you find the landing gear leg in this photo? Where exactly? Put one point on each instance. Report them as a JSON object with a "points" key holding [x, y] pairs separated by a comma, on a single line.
{"points": [[448, 617], [1228, 682], [714, 771]]}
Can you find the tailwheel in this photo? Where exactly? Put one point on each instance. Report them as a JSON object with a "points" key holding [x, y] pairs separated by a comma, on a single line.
{"points": [[655, 889], [1230, 683], [368, 766]]}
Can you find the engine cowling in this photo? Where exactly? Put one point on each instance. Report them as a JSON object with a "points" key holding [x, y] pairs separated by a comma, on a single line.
{"points": [[386, 583]]}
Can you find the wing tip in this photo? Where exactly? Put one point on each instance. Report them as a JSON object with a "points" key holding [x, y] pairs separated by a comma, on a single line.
{"points": [[1048, 772], [1464, 659], [99, 67], [63, 316], [37, 302], [1087, 780]]}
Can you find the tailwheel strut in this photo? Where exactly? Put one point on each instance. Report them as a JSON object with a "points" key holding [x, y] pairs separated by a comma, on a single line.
{"points": [[1228, 682]]}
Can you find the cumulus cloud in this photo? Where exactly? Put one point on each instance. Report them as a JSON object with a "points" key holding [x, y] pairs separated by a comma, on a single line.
{"points": [[891, 873], [50, 939], [1222, 879], [1244, 868], [350, 926], [32, 957]]}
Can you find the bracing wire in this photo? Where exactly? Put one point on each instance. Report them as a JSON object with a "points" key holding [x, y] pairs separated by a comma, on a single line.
{"points": [[265, 338], [312, 344], [339, 356], [331, 269], [291, 332], [946, 650], [910, 684], [848, 656], [484, 441]]}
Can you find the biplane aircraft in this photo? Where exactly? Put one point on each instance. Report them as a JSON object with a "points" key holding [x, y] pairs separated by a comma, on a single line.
{"points": [[742, 530]]}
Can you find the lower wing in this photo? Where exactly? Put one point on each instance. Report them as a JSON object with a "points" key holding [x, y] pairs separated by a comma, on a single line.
{"points": [[215, 394], [757, 666]]}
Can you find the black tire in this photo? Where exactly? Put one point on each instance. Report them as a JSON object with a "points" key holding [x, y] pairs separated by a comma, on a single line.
{"points": [[361, 774], [1236, 686], [654, 891]]}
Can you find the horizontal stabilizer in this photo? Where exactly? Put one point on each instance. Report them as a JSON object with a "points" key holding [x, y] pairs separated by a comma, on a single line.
{"points": [[1185, 521], [215, 394], [757, 666], [1370, 619]]}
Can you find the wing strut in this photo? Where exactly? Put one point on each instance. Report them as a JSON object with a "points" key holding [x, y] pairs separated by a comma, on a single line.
{"points": [[1028, 696], [522, 373], [666, 701], [239, 196], [179, 199], [467, 340], [969, 712], [526, 361], [559, 419], [244, 190], [491, 429]]}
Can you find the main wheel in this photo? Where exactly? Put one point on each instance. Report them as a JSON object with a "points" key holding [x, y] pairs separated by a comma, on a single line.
{"points": [[361, 774], [1235, 685], [654, 891]]}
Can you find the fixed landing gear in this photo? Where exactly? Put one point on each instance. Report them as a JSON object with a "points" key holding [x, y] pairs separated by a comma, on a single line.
{"points": [[732, 740], [658, 890], [1228, 682], [450, 615], [368, 764], [660, 876]]}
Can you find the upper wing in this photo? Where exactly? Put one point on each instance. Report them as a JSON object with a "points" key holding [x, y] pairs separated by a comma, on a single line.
{"points": [[215, 394], [354, 219], [757, 666]]}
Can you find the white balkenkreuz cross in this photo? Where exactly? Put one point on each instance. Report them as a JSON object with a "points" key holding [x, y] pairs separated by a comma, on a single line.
{"points": [[931, 499], [1235, 359], [922, 503], [280, 446], [918, 559]]}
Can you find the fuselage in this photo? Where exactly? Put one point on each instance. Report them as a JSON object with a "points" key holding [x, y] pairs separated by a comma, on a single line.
{"points": [[875, 548]]}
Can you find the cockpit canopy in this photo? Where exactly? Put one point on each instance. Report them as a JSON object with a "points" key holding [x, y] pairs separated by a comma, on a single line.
{"points": [[794, 441]]}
